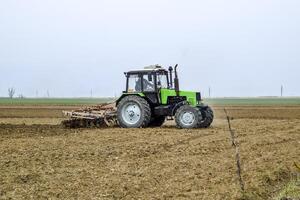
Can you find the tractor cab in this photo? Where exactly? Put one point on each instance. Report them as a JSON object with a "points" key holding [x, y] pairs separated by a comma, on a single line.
{"points": [[149, 82], [150, 79]]}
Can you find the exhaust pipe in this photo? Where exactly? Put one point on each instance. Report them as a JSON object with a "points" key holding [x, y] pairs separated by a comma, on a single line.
{"points": [[176, 81], [171, 77]]}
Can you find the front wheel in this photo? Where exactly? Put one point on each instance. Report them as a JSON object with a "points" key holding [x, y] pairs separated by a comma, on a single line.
{"points": [[188, 117], [207, 117]]}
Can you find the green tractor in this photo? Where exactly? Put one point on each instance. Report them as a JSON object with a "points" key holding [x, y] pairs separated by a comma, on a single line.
{"points": [[152, 95]]}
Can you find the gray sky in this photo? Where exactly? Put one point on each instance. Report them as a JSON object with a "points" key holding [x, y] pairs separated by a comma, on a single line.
{"points": [[237, 47]]}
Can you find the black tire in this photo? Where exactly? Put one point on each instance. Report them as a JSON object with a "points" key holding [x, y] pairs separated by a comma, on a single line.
{"points": [[207, 117], [144, 115], [192, 112], [157, 121]]}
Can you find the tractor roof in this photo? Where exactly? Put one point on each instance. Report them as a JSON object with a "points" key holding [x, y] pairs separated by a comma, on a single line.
{"points": [[150, 68]]}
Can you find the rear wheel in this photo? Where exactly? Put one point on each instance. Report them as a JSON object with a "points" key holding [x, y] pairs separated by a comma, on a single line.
{"points": [[157, 121], [134, 112], [207, 117], [188, 117]]}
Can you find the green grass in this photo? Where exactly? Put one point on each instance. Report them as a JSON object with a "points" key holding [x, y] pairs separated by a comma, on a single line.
{"points": [[263, 101]]}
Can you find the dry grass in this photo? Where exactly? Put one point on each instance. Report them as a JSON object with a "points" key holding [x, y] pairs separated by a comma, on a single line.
{"points": [[290, 191]]}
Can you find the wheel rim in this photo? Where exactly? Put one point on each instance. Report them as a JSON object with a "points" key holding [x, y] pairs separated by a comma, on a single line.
{"points": [[187, 118], [131, 113]]}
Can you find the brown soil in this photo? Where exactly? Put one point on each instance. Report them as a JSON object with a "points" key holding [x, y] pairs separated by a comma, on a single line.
{"points": [[33, 111], [254, 112], [41, 160]]}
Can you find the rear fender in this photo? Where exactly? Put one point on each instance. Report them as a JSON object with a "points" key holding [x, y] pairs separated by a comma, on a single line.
{"points": [[127, 94]]}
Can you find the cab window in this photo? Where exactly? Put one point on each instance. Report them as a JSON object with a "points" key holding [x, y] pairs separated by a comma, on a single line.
{"points": [[162, 81], [148, 83], [134, 83]]}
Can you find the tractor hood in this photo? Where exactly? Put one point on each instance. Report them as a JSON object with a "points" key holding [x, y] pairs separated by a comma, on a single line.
{"points": [[192, 97]]}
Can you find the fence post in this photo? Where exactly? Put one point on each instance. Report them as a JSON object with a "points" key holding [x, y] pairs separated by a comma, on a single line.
{"points": [[235, 145]]}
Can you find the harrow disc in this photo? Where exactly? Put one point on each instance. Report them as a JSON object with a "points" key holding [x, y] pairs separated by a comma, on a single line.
{"points": [[98, 116]]}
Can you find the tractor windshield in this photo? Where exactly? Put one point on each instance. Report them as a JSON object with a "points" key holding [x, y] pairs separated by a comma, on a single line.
{"points": [[135, 83], [147, 82], [162, 81]]}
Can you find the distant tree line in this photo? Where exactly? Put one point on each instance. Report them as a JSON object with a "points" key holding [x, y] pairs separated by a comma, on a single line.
{"points": [[11, 92]]}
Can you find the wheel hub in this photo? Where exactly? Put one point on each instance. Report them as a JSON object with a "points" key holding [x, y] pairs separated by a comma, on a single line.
{"points": [[188, 118], [131, 113]]}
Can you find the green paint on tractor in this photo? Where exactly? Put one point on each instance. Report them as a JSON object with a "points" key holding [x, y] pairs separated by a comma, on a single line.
{"points": [[166, 93]]}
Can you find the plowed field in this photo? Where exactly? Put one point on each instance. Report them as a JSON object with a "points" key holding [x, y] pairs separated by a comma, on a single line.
{"points": [[41, 160]]}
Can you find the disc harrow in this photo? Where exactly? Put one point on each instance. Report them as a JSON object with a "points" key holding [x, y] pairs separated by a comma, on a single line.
{"points": [[104, 115]]}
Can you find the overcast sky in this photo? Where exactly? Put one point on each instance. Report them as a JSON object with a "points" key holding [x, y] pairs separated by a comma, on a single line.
{"points": [[236, 47]]}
